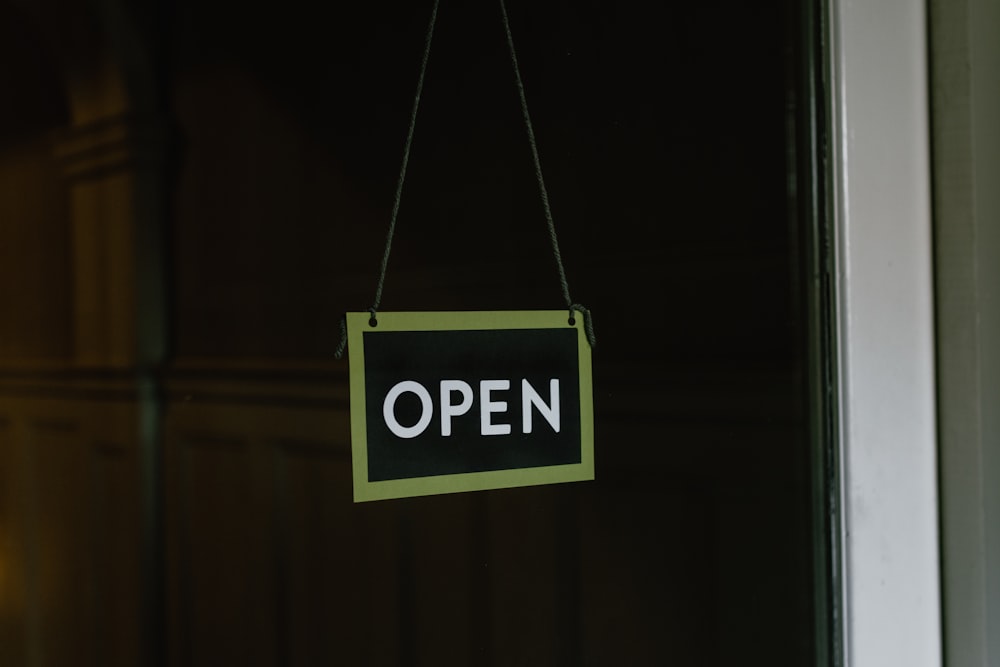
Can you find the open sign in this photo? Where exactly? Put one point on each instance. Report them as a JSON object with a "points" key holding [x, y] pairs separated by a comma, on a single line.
{"points": [[446, 402]]}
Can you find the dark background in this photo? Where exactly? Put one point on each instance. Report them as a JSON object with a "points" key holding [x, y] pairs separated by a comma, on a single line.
{"points": [[192, 195]]}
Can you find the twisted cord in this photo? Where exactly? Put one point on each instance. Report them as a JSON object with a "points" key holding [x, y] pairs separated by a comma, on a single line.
{"points": [[339, 352], [543, 192], [536, 161], [406, 160], [342, 345]]}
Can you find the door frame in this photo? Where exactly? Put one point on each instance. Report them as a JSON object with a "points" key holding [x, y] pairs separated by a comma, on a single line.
{"points": [[880, 211]]}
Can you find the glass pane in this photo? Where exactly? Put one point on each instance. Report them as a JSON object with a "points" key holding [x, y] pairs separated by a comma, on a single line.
{"points": [[194, 506], [671, 139]]}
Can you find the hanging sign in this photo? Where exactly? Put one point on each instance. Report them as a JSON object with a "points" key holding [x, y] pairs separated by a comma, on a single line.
{"points": [[466, 401]]}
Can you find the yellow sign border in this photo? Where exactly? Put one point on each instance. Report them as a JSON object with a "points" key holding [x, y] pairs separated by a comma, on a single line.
{"points": [[357, 324]]}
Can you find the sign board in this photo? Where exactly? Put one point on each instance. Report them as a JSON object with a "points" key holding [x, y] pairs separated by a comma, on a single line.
{"points": [[466, 401]]}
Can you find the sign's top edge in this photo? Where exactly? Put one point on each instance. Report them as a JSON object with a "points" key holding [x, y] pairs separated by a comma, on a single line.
{"points": [[464, 319], [380, 313]]}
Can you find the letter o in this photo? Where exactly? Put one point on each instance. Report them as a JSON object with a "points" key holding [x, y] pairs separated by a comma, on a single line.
{"points": [[389, 409]]}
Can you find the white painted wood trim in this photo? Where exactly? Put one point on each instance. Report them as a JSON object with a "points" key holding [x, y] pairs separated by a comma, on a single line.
{"points": [[882, 219]]}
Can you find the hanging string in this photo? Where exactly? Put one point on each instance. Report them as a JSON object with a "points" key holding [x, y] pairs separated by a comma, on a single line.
{"points": [[588, 323], [373, 321], [406, 160], [554, 240]]}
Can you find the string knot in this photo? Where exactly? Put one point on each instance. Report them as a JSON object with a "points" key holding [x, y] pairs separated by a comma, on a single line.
{"points": [[339, 352], [588, 322]]}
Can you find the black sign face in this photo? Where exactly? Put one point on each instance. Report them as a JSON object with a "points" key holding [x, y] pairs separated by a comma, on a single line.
{"points": [[462, 408], [446, 402]]}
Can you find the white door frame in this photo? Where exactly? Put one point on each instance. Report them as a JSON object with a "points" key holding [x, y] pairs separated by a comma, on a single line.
{"points": [[881, 206]]}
